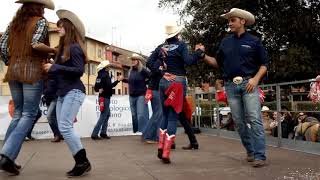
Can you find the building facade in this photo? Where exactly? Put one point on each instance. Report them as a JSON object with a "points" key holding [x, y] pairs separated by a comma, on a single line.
{"points": [[97, 51]]}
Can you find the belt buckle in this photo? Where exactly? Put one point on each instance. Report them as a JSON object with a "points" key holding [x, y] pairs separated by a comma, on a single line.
{"points": [[237, 80]]}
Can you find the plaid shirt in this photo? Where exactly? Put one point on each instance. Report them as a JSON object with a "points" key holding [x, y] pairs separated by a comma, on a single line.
{"points": [[39, 36]]}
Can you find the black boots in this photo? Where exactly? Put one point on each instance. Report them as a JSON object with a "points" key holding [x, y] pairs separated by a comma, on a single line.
{"points": [[189, 131], [191, 146], [82, 164], [104, 136], [8, 166]]}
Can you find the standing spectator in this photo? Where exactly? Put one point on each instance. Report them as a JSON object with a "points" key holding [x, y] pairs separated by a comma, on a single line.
{"points": [[284, 125], [67, 71], [138, 77], [24, 46], [244, 61], [266, 120], [104, 86]]}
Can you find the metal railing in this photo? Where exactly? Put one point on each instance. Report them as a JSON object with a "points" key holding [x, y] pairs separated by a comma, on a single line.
{"points": [[280, 95]]}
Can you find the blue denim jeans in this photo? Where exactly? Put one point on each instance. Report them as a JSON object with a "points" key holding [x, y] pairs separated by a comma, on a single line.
{"points": [[170, 117], [151, 132], [52, 118], [102, 122], [67, 109], [26, 98], [246, 109], [139, 112]]}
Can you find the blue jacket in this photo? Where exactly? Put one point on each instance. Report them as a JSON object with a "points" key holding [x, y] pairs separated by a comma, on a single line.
{"points": [[177, 56], [138, 82], [241, 56], [67, 75]]}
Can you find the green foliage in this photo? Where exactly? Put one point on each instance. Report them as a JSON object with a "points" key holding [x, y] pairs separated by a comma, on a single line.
{"points": [[290, 30]]}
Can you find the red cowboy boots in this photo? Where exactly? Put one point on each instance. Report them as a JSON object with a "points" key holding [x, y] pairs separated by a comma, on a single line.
{"points": [[162, 134], [169, 140]]}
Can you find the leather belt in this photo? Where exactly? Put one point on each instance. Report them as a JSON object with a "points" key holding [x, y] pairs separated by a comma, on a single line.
{"points": [[238, 79]]}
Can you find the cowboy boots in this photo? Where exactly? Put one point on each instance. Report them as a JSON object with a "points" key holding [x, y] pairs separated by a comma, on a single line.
{"points": [[56, 139], [189, 131], [8, 166], [82, 164], [191, 146], [173, 146], [162, 134], [193, 143], [169, 140], [104, 136]]}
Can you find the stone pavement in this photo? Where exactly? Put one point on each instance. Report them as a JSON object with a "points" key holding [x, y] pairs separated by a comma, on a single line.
{"points": [[126, 158]]}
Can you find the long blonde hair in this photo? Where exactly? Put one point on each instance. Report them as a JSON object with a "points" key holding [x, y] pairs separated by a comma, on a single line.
{"points": [[139, 67]]}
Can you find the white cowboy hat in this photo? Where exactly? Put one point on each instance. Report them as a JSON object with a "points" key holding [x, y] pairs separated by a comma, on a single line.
{"points": [[136, 56], [172, 30], [62, 13], [47, 3], [235, 12], [103, 64], [265, 108]]}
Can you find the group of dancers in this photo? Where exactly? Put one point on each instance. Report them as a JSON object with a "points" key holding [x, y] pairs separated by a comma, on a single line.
{"points": [[25, 49]]}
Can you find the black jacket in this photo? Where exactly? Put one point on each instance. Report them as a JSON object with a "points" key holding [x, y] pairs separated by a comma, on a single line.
{"points": [[103, 81]]}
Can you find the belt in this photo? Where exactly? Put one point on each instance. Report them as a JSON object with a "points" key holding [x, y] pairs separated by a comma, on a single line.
{"points": [[238, 79]]}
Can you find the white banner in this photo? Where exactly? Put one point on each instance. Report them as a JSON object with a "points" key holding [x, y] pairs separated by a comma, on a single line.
{"points": [[120, 121]]}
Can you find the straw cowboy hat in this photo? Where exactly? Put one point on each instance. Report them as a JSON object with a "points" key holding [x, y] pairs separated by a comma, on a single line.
{"points": [[103, 64], [65, 14], [47, 3], [136, 56], [172, 30], [235, 12]]}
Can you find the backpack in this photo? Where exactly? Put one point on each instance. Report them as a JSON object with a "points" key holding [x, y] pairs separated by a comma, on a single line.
{"points": [[314, 93]]}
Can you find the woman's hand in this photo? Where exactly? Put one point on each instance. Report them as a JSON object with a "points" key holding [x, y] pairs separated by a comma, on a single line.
{"points": [[46, 67]]}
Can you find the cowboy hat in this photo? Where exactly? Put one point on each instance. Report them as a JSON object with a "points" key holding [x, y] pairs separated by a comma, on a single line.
{"points": [[235, 12], [65, 14], [136, 56], [172, 30], [47, 3], [103, 64], [265, 108]]}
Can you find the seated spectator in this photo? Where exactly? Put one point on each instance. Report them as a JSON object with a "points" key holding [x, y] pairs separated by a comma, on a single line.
{"points": [[308, 130], [266, 120], [284, 126], [229, 124]]}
